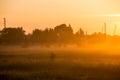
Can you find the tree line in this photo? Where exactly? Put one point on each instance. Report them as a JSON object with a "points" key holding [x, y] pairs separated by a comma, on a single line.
{"points": [[59, 35]]}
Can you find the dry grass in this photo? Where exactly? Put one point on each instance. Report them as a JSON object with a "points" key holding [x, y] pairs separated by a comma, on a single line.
{"points": [[35, 64]]}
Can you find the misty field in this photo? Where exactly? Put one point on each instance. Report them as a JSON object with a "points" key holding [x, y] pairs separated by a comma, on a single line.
{"points": [[35, 63]]}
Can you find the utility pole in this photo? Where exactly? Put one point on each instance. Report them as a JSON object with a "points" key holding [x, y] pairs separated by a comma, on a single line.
{"points": [[4, 22]]}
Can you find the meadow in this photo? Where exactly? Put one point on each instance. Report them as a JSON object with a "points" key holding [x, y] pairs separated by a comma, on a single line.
{"points": [[34, 63]]}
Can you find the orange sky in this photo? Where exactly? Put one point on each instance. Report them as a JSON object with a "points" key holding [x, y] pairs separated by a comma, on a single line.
{"points": [[88, 14]]}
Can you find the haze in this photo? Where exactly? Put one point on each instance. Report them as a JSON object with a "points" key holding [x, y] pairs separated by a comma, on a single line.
{"points": [[87, 14]]}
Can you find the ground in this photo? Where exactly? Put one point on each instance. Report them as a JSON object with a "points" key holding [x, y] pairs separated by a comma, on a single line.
{"points": [[35, 63]]}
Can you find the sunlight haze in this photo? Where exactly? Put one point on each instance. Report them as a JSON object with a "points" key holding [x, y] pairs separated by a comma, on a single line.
{"points": [[87, 14]]}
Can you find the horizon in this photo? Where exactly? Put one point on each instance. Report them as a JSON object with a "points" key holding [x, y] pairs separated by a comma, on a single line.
{"points": [[114, 27]]}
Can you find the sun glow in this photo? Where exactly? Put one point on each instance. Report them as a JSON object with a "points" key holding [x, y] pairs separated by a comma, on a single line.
{"points": [[32, 14], [111, 15]]}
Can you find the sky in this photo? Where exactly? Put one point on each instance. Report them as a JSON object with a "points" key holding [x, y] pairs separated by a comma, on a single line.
{"points": [[89, 15]]}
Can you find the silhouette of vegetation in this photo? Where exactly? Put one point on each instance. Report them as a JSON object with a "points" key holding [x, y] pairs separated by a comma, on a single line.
{"points": [[59, 35], [12, 36], [64, 33]]}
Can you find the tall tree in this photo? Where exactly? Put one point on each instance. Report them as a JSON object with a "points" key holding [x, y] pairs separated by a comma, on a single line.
{"points": [[64, 32]]}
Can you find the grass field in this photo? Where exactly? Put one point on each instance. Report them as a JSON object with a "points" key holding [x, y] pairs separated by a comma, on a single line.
{"points": [[69, 64]]}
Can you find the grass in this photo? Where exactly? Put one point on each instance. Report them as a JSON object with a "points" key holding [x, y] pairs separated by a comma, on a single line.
{"points": [[31, 64]]}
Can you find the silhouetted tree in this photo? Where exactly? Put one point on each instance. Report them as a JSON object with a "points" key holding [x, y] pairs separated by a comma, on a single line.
{"points": [[44, 36], [12, 35], [50, 35], [79, 36], [64, 33], [97, 37], [37, 35], [80, 32]]}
